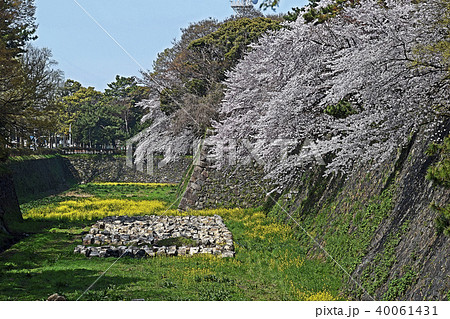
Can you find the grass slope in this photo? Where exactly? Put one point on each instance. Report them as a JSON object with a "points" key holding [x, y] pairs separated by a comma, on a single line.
{"points": [[270, 264]]}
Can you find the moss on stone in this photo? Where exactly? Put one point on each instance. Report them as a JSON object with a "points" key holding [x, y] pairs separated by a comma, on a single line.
{"points": [[440, 171], [176, 241]]}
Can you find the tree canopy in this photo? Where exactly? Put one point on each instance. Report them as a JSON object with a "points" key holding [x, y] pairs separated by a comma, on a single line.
{"points": [[17, 25], [351, 90], [188, 77], [29, 81], [99, 119], [187, 81]]}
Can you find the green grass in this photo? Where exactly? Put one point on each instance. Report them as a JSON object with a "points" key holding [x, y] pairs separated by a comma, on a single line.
{"points": [[29, 157], [130, 191], [269, 263], [345, 228]]}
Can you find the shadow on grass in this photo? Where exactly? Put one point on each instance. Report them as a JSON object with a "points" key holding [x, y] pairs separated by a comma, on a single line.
{"points": [[39, 285], [43, 195]]}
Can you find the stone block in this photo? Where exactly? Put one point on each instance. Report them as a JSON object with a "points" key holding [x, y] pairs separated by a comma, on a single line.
{"points": [[227, 254], [194, 250]]}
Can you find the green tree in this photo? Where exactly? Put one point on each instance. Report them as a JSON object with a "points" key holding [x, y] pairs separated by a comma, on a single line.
{"points": [[28, 79], [190, 73], [40, 92], [174, 68], [203, 66], [69, 108], [80, 112], [435, 56], [30, 105], [269, 4], [122, 97], [70, 87], [97, 125], [219, 51], [102, 119], [17, 26]]}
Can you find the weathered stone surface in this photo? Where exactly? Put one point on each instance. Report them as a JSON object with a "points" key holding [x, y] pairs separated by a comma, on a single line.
{"points": [[420, 252], [241, 186], [9, 209], [56, 297], [228, 254], [139, 236], [194, 250], [172, 250], [114, 169], [36, 178]]}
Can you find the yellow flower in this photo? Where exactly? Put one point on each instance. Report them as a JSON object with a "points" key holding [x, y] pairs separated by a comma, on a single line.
{"points": [[95, 208], [137, 184], [321, 296], [310, 296]]}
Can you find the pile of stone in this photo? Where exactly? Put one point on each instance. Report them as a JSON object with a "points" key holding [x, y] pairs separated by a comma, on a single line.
{"points": [[141, 236]]}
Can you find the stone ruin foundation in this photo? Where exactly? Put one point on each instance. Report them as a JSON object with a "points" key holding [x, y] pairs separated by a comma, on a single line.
{"points": [[140, 236]]}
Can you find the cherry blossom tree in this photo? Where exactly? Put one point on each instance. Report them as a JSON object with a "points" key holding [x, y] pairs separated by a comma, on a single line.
{"points": [[360, 63], [159, 138]]}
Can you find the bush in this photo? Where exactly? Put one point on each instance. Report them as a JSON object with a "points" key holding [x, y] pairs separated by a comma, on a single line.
{"points": [[440, 172], [341, 110], [442, 222]]}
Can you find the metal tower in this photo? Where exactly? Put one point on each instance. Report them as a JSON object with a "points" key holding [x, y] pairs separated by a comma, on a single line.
{"points": [[242, 7]]}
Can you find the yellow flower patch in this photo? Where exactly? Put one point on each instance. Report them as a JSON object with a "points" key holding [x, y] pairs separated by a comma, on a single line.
{"points": [[321, 296], [134, 184], [95, 208], [281, 231], [300, 294]]}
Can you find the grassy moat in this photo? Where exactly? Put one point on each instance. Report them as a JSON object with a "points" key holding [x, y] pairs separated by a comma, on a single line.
{"points": [[270, 263]]}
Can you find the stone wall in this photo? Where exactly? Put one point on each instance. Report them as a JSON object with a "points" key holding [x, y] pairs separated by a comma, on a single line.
{"points": [[114, 169], [421, 267], [404, 258], [237, 186], [22, 181], [41, 177], [9, 210]]}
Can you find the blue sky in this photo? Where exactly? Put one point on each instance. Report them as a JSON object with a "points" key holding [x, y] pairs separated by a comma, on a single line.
{"points": [[142, 27]]}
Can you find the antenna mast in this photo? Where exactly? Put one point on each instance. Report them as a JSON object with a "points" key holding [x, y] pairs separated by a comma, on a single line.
{"points": [[242, 7]]}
